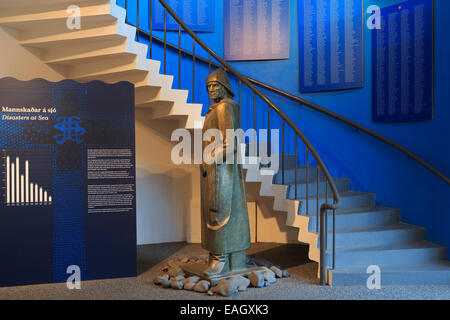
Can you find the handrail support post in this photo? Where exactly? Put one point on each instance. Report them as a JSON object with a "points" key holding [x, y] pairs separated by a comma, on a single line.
{"points": [[323, 244]]}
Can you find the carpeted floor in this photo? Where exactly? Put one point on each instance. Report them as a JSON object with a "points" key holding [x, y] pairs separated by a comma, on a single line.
{"points": [[302, 284]]}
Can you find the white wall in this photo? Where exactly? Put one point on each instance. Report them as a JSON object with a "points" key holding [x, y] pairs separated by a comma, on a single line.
{"points": [[168, 196]]}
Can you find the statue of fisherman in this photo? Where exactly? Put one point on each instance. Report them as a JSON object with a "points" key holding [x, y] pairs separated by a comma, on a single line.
{"points": [[225, 224]]}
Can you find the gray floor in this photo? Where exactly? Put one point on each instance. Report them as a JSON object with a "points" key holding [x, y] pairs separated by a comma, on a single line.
{"points": [[302, 284]]}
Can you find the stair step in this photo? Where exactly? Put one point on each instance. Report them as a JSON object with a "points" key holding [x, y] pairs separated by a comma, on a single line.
{"points": [[50, 18], [342, 185], [289, 175], [110, 76], [151, 102], [290, 161], [155, 104], [75, 37], [107, 66], [361, 217], [183, 109], [415, 252], [145, 93], [349, 200], [4, 4], [431, 273], [373, 235], [96, 51]]}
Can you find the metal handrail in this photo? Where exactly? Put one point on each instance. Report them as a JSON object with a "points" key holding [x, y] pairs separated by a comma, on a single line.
{"points": [[325, 111], [256, 92]]}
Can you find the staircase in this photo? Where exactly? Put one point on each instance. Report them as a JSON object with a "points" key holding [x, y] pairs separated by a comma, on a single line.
{"points": [[105, 49], [365, 234]]}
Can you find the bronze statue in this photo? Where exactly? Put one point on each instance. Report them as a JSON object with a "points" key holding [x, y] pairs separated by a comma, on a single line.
{"points": [[225, 225]]}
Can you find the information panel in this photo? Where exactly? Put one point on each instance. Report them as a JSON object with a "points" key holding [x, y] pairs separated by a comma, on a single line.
{"points": [[256, 29], [67, 187], [402, 63], [197, 14], [331, 45]]}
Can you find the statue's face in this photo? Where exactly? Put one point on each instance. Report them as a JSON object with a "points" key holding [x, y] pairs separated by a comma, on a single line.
{"points": [[216, 91]]}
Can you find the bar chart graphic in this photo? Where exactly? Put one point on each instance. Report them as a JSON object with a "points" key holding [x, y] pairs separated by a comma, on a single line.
{"points": [[22, 186]]}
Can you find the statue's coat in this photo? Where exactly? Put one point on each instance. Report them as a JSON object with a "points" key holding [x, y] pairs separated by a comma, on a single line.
{"points": [[223, 189]]}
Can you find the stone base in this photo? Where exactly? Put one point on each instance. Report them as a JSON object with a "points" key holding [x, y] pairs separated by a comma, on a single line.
{"points": [[197, 269]]}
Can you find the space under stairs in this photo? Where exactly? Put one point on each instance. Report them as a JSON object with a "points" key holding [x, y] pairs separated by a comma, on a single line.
{"points": [[105, 49], [366, 234]]}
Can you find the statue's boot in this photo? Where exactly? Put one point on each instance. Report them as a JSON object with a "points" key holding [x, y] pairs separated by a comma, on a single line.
{"points": [[217, 264]]}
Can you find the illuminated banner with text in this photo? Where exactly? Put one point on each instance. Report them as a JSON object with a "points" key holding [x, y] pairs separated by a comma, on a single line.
{"points": [[67, 196]]}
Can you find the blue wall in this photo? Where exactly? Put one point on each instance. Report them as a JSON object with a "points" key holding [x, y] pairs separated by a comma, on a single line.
{"points": [[373, 166]]}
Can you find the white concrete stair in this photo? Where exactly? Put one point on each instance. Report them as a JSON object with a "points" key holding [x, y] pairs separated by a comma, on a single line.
{"points": [[103, 49]]}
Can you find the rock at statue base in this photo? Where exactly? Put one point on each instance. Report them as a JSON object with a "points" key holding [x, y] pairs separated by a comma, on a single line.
{"points": [[193, 279], [256, 279], [166, 284], [177, 278], [269, 277], [176, 285], [226, 287], [286, 274], [267, 270], [202, 286], [278, 272], [252, 260], [159, 279], [189, 286], [243, 283]]}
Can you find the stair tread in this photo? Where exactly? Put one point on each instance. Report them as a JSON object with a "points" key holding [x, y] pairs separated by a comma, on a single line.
{"points": [[374, 228], [432, 266], [300, 166], [358, 211], [390, 247], [88, 57], [16, 3], [364, 210], [321, 180], [90, 35], [341, 194], [37, 19]]}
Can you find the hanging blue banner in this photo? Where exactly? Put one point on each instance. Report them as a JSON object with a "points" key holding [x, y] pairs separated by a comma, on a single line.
{"points": [[67, 192], [402, 63], [331, 45]]}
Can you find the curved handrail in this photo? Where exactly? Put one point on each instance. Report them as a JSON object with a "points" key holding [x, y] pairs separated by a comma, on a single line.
{"points": [[245, 80], [323, 110]]}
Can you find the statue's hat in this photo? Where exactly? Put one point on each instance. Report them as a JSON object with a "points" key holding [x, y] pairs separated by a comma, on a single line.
{"points": [[221, 77]]}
